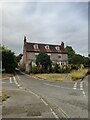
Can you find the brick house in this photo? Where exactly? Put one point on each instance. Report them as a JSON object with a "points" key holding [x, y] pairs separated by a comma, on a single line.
{"points": [[57, 53]]}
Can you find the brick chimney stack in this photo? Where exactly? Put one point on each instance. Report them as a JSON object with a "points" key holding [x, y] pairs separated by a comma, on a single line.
{"points": [[24, 39], [62, 45]]}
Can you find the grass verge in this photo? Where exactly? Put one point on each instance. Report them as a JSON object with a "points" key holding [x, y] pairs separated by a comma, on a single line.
{"points": [[4, 75], [52, 76], [4, 96], [79, 74]]}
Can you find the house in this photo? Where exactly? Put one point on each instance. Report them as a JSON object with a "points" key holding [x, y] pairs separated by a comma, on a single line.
{"points": [[57, 53]]}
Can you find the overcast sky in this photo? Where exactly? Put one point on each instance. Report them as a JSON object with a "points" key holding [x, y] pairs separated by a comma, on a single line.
{"points": [[45, 22]]}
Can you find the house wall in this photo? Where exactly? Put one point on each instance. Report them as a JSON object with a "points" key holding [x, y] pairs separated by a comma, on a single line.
{"points": [[31, 56]]}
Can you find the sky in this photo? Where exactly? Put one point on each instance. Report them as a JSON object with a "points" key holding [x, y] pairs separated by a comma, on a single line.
{"points": [[45, 22]]}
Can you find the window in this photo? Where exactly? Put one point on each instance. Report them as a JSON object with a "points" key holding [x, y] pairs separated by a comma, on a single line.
{"points": [[59, 56], [49, 54], [36, 46], [57, 48], [47, 47]]}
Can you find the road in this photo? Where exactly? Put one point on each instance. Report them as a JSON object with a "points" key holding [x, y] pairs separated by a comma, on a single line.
{"points": [[64, 99]]}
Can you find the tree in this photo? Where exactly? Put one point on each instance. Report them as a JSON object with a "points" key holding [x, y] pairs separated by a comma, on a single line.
{"points": [[8, 60], [43, 61], [71, 53], [18, 58], [77, 59]]}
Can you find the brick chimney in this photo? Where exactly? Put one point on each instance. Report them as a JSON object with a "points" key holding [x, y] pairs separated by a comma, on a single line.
{"points": [[62, 45], [24, 39]]}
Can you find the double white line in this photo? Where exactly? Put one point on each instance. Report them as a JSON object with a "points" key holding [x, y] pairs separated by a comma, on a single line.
{"points": [[81, 87]]}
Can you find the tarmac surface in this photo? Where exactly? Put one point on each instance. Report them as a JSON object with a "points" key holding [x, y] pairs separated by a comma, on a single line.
{"points": [[33, 98]]}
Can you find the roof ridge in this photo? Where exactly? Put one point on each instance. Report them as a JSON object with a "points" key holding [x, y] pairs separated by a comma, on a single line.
{"points": [[43, 43]]}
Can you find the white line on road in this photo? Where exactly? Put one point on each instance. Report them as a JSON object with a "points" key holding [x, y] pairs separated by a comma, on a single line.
{"points": [[81, 85], [10, 79], [65, 114], [15, 81], [54, 113], [57, 86], [34, 93], [75, 86], [44, 101]]}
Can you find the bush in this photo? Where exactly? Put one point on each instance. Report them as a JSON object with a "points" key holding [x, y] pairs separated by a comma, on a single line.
{"points": [[55, 68], [64, 69], [34, 69], [79, 74]]}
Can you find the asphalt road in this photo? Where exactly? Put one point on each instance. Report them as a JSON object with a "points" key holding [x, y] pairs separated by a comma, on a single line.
{"points": [[64, 99]]}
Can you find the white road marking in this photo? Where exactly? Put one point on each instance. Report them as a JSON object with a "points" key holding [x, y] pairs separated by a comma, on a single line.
{"points": [[4, 78], [34, 94], [65, 114], [81, 85], [54, 113], [75, 86], [15, 81], [10, 79], [44, 102], [18, 77], [57, 86]]}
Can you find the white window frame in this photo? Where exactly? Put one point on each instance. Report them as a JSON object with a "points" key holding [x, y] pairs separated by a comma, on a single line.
{"points": [[57, 48], [49, 54], [36, 46], [47, 47], [36, 53]]}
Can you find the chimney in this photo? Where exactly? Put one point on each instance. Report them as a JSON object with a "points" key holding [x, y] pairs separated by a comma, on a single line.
{"points": [[24, 39], [62, 45]]}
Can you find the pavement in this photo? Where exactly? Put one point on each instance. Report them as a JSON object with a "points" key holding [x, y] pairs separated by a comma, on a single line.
{"points": [[33, 98]]}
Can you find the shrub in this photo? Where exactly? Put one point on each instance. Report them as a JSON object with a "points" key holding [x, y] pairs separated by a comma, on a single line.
{"points": [[34, 69], [55, 68], [79, 74]]}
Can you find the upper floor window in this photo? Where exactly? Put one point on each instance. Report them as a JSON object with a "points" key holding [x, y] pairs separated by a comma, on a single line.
{"points": [[36, 46], [47, 47], [57, 48]]}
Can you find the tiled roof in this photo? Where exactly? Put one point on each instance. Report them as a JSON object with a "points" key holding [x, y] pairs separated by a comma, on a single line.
{"points": [[41, 48]]}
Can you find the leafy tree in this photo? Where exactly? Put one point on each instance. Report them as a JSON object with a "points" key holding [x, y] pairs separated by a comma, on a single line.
{"points": [[18, 58], [43, 61], [8, 60], [71, 53], [77, 59]]}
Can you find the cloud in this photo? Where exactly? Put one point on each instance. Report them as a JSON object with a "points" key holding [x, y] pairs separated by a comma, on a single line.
{"points": [[47, 23]]}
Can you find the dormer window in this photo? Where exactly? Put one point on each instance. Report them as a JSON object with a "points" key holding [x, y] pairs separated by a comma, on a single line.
{"points": [[57, 48], [47, 47], [36, 46]]}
